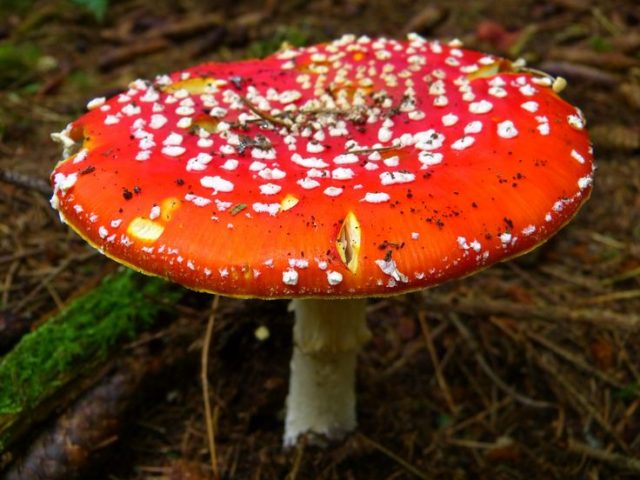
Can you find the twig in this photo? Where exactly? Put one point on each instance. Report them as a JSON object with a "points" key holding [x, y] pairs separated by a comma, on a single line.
{"points": [[578, 72], [27, 182], [362, 151], [551, 369], [481, 306], [8, 280], [616, 460], [128, 52], [574, 359], [262, 114], [474, 444], [548, 294], [614, 296], [20, 255], [466, 334], [634, 272], [399, 460], [297, 459], [205, 388], [479, 416], [66, 263], [442, 383]]}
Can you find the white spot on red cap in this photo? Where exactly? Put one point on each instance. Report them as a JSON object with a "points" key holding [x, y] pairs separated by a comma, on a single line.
{"points": [[62, 182], [342, 173], [333, 191], [390, 268], [290, 277], [130, 110], [308, 162], [483, 106], [384, 134], [158, 121], [449, 119], [333, 277], [463, 143], [218, 184], [345, 159], [527, 90], [507, 129], [543, 125], [270, 189], [270, 208], [308, 183], [505, 238], [577, 156], [428, 140], [197, 200], [272, 174], [473, 127], [585, 182], [81, 155], [95, 103], [375, 197], [173, 150], [173, 139], [576, 122], [289, 96], [390, 178], [530, 106], [155, 212]]}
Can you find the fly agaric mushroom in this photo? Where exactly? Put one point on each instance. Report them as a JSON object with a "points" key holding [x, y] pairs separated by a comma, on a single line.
{"points": [[326, 174]]}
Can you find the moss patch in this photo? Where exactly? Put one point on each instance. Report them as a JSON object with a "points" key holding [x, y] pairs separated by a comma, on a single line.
{"points": [[85, 333]]}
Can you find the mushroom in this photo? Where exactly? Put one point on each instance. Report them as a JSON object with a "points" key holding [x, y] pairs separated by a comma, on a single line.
{"points": [[328, 174]]}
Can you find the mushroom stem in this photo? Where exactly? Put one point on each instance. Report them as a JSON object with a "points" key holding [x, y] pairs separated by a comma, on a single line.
{"points": [[327, 337]]}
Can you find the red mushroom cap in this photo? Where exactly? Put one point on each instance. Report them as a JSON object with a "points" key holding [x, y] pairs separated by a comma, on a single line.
{"points": [[359, 167]]}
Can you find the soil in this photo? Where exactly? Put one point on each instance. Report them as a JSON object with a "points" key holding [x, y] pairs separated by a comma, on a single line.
{"points": [[530, 369]]}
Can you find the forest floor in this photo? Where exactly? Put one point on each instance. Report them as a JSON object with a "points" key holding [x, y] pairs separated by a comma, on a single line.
{"points": [[494, 376]]}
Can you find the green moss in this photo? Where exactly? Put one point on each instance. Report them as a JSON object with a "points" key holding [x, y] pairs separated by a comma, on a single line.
{"points": [[291, 35], [86, 332]]}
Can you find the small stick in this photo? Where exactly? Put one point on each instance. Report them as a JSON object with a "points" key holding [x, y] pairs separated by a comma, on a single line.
{"points": [[479, 306], [466, 334], [613, 296], [479, 416], [550, 367], [616, 460], [572, 358], [129, 51], [401, 461], [436, 364], [371, 150], [205, 388], [27, 182], [262, 114], [297, 459]]}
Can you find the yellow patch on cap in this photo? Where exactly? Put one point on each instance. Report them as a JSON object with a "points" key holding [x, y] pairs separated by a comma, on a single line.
{"points": [[349, 241], [196, 86], [167, 207], [288, 202], [144, 229]]}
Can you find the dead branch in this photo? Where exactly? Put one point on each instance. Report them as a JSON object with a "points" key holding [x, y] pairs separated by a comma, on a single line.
{"points": [[616, 460], [482, 306], [27, 182]]}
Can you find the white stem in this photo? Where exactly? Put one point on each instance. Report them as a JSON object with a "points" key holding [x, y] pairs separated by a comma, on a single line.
{"points": [[327, 337]]}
